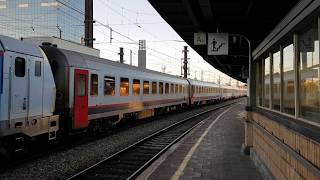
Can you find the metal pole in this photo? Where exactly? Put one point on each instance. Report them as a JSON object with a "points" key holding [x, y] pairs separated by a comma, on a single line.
{"points": [[185, 62], [251, 102], [88, 38], [60, 31], [111, 35], [130, 57], [296, 74], [121, 55], [250, 81]]}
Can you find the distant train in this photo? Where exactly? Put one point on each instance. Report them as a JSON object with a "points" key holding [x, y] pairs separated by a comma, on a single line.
{"points": [[53, 92]]}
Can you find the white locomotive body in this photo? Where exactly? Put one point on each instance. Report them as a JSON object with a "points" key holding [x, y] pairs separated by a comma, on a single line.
{"points": [[27, 91]]}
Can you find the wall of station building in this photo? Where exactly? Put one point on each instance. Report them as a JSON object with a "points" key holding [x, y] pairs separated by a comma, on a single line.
{"points": [[286, 153], [284, 128]]}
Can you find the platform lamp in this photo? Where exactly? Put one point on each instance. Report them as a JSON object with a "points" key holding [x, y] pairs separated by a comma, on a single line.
{"points": [[251, 87], [245, 149]]}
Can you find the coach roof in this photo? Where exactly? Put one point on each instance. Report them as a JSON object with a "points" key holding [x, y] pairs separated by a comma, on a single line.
{"points": [[74, 59]]}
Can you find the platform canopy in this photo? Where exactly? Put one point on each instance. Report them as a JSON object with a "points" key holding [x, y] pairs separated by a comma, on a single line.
{"points": [[250, 18]]}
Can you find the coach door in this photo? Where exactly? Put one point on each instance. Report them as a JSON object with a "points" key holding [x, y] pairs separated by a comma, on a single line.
{"points": [[19, 90], [80, 119]]}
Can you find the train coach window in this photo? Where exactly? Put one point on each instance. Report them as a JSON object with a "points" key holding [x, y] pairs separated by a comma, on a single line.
{"points": [[124, 86], [154, 87], [94, 85], [171, 88], [20, 67], [136, 87], [160, 87], [180, 88], [176, 88], [166, 88], [81, 85], [146, 86], [310, 75], [37, 68], [109, 86]]}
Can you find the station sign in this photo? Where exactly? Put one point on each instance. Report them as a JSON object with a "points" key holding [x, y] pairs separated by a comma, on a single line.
{"points": [[245, 74], [218, 43], [307, 39], [200, 39]]}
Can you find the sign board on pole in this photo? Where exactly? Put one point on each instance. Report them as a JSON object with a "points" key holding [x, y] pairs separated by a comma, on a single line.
{"points": [[245, 74], [200, 39], [218, 43], [307, 39]]}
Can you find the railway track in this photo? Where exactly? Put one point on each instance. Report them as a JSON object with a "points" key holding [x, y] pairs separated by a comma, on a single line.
{"points": [[131, 161]]}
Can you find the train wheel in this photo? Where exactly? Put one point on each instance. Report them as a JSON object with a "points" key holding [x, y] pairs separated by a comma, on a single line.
{"points": [[93, 127]]}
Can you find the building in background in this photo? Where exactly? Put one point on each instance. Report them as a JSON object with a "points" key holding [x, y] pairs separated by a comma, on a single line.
{"points": [[28, 18]]}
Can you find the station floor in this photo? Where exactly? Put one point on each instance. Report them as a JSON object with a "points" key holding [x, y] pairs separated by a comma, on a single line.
{"points": [[210, 151]]}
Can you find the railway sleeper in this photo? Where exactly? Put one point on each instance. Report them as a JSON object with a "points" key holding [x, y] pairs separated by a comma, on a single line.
{"points": [[137, 154], [142, 154], [131, 163], [108, 177], [161, 141], [121, 167], [134, 157], [149, 151], [168, 137], [152, 147], [110, 170], [158, 145]]}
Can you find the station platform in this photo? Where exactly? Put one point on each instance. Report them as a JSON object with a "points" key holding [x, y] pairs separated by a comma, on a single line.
{"points": [[210, 151]]}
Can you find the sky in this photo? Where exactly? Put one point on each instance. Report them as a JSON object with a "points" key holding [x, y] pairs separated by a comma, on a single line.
{"points": [[134, 20]]}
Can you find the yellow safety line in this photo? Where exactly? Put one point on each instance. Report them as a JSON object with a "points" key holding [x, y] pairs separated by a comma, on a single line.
{"points": [[185, 161]]}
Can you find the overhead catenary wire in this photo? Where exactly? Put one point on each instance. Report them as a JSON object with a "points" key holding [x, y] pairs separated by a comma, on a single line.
{"points": [[107, 26], [115, 31], [135, 23], [66, 4]]}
